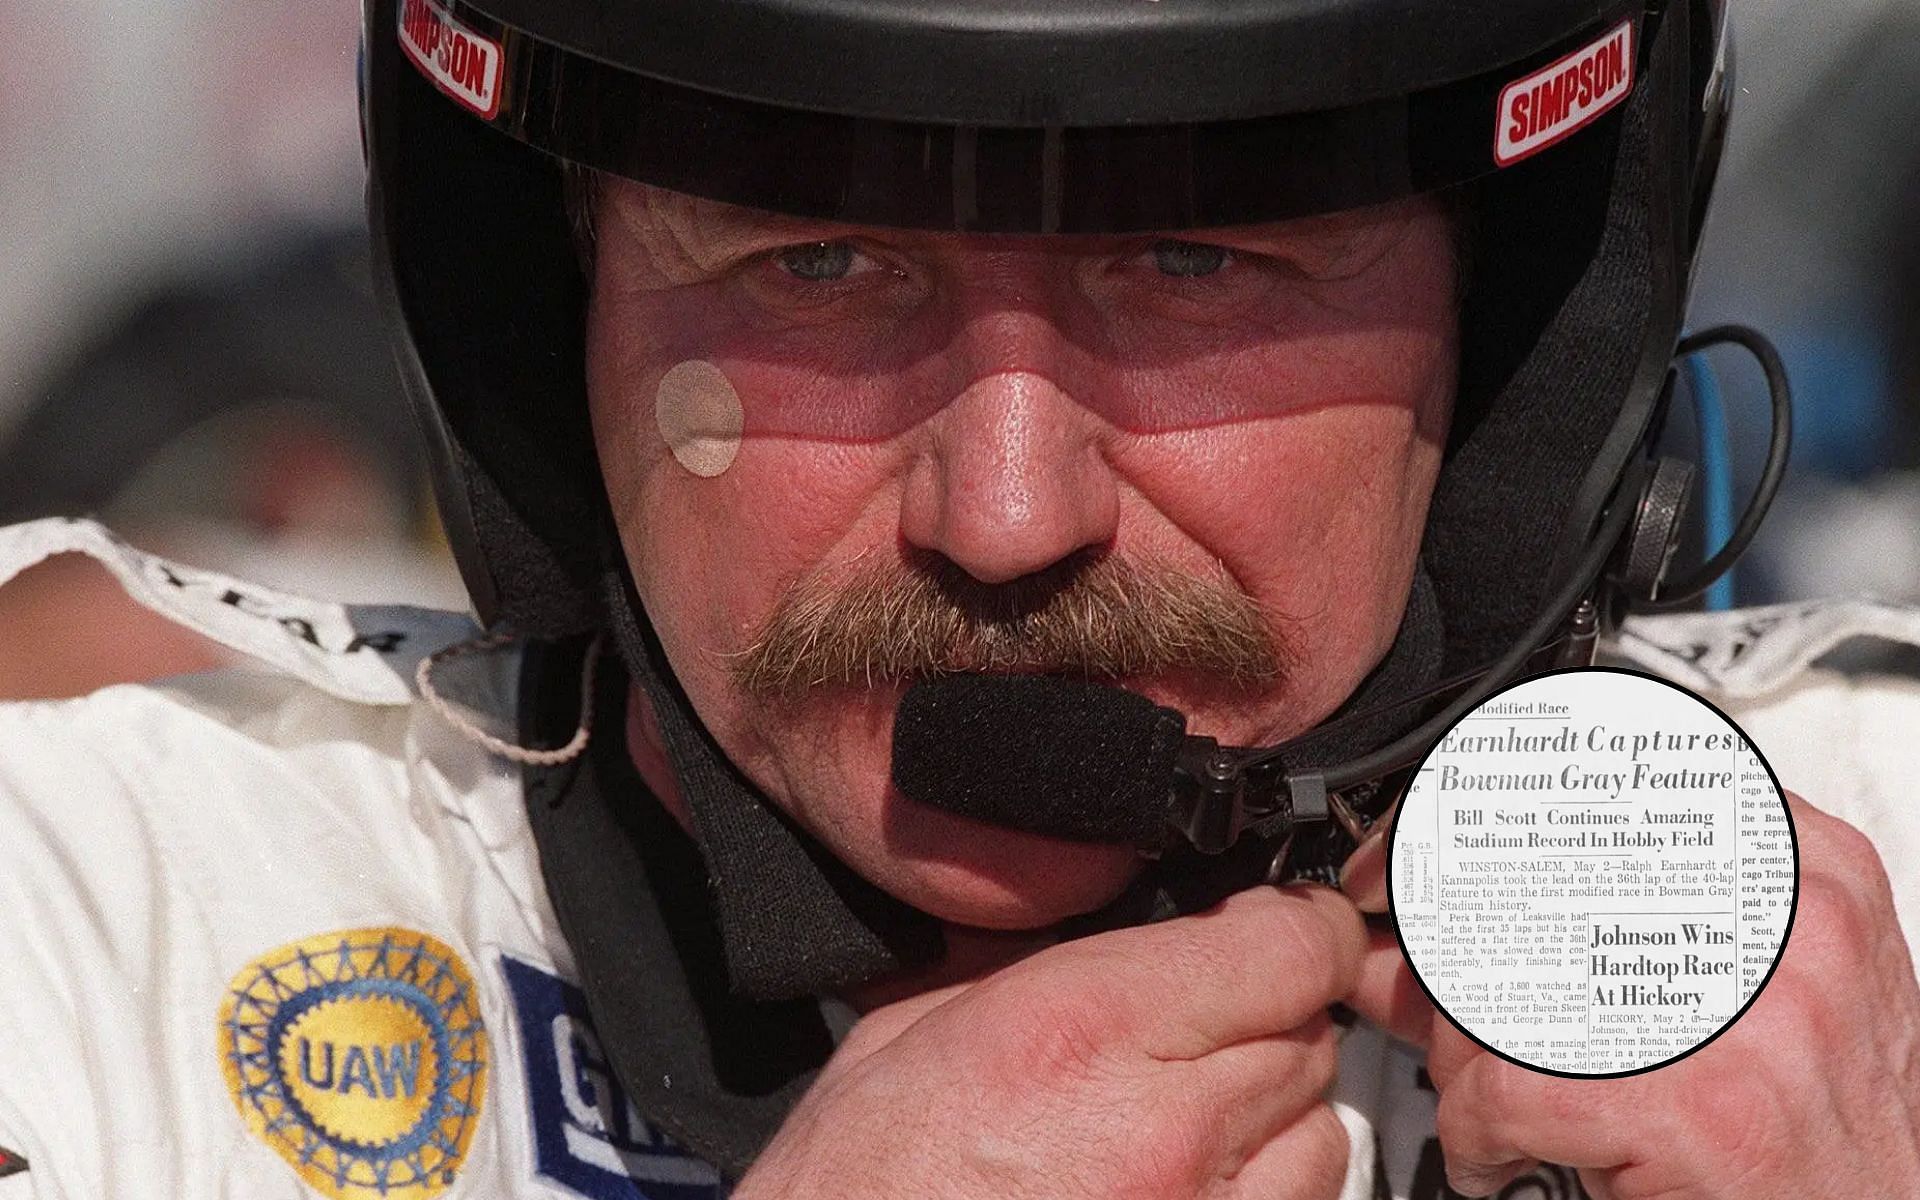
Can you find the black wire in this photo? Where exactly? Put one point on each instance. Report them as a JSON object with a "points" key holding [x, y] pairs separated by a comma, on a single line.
{"points": [[1780, 390], [1413, 745], [1410, 748]]}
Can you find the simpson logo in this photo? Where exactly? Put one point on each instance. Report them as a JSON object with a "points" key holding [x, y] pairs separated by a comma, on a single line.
{"points": [[1558, 101], [459, 61]]}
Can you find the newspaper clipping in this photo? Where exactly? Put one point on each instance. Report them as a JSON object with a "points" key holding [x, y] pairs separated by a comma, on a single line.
{"points": [[1593, 872]]}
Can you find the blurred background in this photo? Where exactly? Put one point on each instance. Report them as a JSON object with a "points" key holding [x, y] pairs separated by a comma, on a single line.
{"points": [[189, 347], [189, 344]]}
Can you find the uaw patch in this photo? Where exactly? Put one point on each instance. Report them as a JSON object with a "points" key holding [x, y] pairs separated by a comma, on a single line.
{"points": [[361, 1058], [587, 1135]]}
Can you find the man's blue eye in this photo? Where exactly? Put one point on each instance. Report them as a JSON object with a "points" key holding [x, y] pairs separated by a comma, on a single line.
{"points": [[818, 262], [1188, 260]]}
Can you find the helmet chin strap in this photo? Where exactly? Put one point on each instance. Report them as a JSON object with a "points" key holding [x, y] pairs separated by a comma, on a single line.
{"points": [[796, 921]]}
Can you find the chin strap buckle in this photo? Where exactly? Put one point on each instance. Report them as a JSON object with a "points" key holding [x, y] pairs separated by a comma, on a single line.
{"points": [[1216, 796], [1209, 801]]}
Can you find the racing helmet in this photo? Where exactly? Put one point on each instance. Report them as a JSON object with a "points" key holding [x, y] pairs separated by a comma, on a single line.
{"points": [[1582, 135]]}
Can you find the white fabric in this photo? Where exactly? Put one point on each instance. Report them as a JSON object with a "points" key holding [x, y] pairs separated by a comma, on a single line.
{"points": [[336, 648], [156, 840]]}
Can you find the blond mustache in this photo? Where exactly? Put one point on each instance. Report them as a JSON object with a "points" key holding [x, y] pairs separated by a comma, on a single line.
{"points": [[1099, 616]]}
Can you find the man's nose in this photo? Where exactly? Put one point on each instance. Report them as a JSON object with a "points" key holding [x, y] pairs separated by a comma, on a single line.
{"points": [[1015, 479]]}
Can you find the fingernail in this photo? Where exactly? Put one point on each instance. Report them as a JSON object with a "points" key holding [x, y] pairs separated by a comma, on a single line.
{"points": [[1484, 1181]]}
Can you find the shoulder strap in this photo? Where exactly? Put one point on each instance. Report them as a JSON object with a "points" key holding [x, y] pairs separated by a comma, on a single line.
{"points": [[717, 1071], [363, 653]]}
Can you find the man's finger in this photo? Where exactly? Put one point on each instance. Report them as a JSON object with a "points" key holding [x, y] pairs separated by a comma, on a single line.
{"points": [[1493, 1114], [1311, 1158], [1474, 1180], [1262, 962], [1252, 1090], [881, 1026], [1385, 991]]}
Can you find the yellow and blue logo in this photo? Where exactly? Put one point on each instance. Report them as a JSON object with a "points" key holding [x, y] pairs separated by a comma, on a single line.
{"points": [[361, 1058]]}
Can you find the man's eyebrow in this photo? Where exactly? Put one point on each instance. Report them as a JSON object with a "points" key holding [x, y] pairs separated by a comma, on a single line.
{"points": [[723, 224], [712, 229]]}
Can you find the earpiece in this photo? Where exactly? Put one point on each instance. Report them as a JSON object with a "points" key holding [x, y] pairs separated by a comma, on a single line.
{"points": [[1658, 521]]}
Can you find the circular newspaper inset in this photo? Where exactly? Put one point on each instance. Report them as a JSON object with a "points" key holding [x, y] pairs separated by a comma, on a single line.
{"points": [[1593, 873]]}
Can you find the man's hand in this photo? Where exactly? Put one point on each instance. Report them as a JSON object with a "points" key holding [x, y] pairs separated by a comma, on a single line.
{"points": [[1180, 1060], [1813, 1094]]}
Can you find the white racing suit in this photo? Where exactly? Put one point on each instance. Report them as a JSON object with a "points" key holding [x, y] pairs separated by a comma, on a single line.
{"points": [[281, 932]]}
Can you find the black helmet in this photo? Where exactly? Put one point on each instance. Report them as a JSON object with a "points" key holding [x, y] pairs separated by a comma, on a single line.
{"points": [[1590, 130], [1583, 134]]}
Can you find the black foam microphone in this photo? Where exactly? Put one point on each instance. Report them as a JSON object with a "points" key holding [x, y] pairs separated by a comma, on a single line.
{"points": [[1087, 762], [1048, 755], [1084, 761]]}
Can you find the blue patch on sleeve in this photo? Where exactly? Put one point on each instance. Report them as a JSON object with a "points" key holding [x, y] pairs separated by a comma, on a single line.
{"points": [[587, 1136]]}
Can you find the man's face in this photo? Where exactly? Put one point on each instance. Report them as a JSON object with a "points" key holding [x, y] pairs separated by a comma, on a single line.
{"points": [[1197, 465]]}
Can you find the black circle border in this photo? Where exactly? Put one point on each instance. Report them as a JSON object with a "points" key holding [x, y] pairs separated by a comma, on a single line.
{"points": [[1786, 937]]}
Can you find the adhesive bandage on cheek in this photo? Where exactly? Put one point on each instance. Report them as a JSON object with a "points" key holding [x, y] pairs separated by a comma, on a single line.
{"points": [[699, 417]]}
